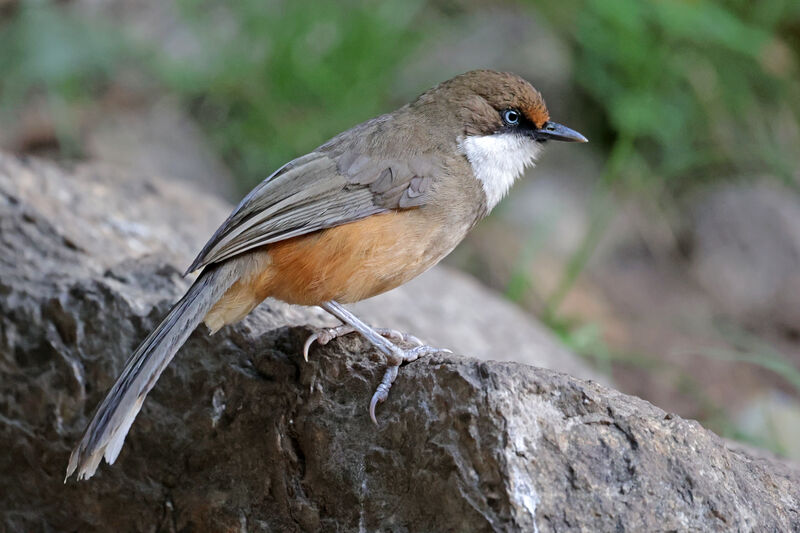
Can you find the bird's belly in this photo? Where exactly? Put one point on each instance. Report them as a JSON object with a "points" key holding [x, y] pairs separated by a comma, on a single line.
{"points": [[353, 261]]}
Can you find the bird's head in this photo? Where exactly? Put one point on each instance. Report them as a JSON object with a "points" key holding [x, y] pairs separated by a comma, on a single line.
{"points": [[503, 124]]}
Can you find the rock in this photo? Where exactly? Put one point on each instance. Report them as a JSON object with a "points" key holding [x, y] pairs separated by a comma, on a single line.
{"points": [[746, 252], [701, 334], [447, 308], [240, 434]]}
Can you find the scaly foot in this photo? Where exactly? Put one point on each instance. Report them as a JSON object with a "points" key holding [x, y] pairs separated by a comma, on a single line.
{"points": [[398, 355], [326, 335], [403, 356]]}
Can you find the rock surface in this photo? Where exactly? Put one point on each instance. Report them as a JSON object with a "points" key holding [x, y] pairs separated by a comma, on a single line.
{"points": [[240, 434]]}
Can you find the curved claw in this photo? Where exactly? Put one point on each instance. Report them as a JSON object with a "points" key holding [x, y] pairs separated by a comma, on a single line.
{"points": [[376, 398], [307, 345], [382, 392], [324, 336]]}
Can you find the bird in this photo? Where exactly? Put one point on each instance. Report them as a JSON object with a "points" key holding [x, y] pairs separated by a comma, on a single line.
{"points": [[365, 212]]}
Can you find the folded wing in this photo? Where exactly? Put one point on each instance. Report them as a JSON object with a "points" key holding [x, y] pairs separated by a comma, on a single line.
{"points": [[317, 191]]}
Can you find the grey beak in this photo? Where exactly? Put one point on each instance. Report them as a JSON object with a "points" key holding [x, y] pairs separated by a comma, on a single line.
{"points": [[558, 132]]}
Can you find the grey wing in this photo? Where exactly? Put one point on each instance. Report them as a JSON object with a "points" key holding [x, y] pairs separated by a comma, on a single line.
{"points": [[314, 192]]}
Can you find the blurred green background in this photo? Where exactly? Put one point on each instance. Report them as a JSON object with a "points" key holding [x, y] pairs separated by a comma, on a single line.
{"points": [[667, 253]]}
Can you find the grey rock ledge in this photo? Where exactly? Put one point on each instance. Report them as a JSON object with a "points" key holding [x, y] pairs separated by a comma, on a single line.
{"points": [[240, 434]]}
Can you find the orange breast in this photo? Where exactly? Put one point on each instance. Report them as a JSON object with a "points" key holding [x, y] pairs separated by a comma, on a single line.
{"points": [[350, 262]]}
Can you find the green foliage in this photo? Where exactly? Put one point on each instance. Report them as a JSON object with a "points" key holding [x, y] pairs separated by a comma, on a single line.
{"points": [[706, 89], [268, 79], [701, 89], [745, 347], [49, 49], [47, 52], [585, 340], [273, 78]]}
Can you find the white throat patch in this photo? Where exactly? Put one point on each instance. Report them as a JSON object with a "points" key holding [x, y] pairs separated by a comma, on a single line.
{"points": [[498, 160]]}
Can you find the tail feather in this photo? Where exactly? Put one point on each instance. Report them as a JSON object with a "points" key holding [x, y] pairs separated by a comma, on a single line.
{"points": [[106, 432]]}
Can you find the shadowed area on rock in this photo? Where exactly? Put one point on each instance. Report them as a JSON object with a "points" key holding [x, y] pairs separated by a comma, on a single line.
{"points": [[242, 434]]}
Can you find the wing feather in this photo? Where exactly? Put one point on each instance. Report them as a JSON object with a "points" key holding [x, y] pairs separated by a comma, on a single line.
{"points": [[318, 191]]}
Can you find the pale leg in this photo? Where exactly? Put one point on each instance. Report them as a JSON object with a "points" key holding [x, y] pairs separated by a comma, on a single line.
{"points": [[378, 338]]}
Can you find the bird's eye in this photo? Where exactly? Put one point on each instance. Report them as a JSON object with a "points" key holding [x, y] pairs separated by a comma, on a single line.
{"points": [[511, 117]]}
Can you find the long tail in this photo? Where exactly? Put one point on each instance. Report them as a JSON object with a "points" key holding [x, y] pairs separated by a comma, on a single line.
{"points": [[106, 432]]}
